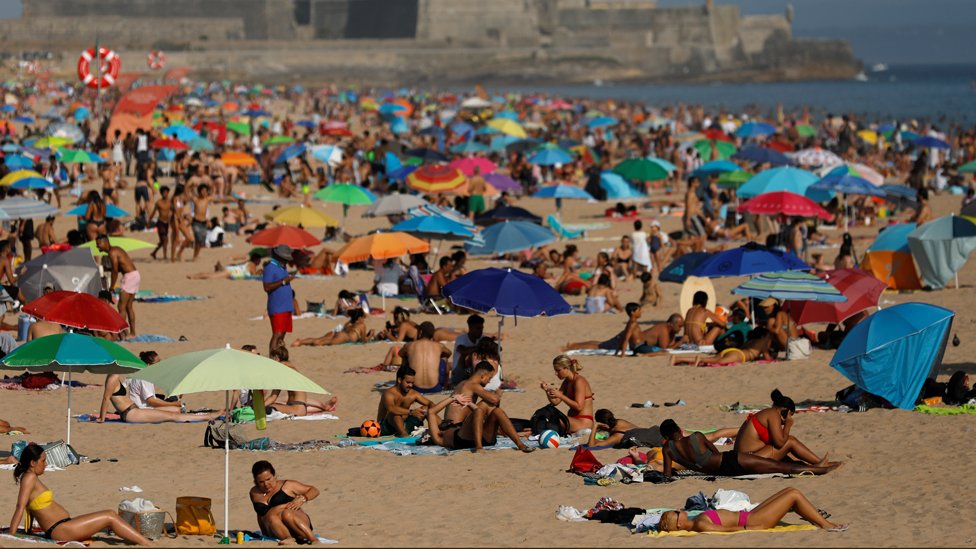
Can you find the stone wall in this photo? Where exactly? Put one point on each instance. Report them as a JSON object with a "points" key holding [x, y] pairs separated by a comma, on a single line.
{"points": [[755, 30], [505, 23], [116, 32]]}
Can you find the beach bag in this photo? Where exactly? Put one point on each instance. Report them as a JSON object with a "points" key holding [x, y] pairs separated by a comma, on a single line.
{"points": [[193, 516], [145, 517], [60, 454], [217, 433], [243, 414], [584, 461], [39, 381], [549, 418]]}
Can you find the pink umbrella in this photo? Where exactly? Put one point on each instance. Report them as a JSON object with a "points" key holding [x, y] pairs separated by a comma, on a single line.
{"points": [[861, 288], [787, 203], [467, 165]]}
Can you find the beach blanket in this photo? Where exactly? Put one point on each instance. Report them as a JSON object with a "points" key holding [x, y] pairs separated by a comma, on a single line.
{"points": [[804, 406], [704, 349], [781, 527], [412, 449], [372, 369], [265, 444], [384, 385], [303, 316], [963, 409], [258, 536], [169, 298], [15, 383], [37, 536], [149, 338]]}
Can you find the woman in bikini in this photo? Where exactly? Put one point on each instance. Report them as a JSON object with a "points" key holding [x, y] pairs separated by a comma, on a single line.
{"points": [[95, 215], [696, 453], [622, 259], [569, 282], [36, 502], [179, 227], [296, 403], [767, 434], [278, 504], [117, 392], [402, 329], [766, 515], [756, 348], [353, 332], [624, 434], [575, 392]]}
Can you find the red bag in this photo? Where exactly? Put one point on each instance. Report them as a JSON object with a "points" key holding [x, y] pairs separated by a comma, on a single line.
{"points": [[39, 381], [584, 461]]}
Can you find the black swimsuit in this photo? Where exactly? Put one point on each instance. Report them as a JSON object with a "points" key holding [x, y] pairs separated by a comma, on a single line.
{"points": [[276, 499]]}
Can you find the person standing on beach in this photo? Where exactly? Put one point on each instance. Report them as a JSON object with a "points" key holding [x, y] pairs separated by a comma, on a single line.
{"points": [[277, 284], [121, 262], [476, 193], [163, 211], [642, 250]]}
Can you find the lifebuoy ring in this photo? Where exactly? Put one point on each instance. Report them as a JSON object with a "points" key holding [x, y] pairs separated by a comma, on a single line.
{"points": [[156, 60], [33, 67], [111, 63]]}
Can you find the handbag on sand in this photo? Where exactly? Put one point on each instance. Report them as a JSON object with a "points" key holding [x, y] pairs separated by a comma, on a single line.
{"points": [[193, 516]]}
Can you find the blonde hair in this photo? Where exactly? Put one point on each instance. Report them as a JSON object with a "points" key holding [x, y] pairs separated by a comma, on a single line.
{"points": [[567, 361], [669, 521]]}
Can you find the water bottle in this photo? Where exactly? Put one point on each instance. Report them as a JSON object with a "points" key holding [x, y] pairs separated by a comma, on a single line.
{"points": [[23, 326], [240, 537]]}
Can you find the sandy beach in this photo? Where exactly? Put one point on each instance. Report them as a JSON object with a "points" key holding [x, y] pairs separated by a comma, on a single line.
{"points": [[904, 481]]}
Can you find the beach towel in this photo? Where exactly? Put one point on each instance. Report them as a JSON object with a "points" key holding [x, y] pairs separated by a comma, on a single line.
{"points": [[412, 449], [372, 369], [963, 409], [805, 406], [15, 383], [37, 536], [704, 349], [384, 385], [169, 298], [149, 338], [781, 527], [258, 536]]}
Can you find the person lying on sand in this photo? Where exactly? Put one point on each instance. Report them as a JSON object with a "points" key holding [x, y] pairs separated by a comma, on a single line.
{"points": [[296, 403], [767, 434], [278, 505], [6, 427], [624, 434], [353, 331], [632, 338], [697, 453], [396, 414], [404, 329], [757, 347], [236, 272], [766, 515]]}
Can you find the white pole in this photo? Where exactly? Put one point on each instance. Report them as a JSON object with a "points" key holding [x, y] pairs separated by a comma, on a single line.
{"points": [[69, 406], [226, 464], [501, 322]]}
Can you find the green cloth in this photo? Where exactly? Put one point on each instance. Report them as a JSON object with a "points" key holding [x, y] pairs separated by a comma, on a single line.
{"points": [[411, 423], [743, 327], [963, 409]]}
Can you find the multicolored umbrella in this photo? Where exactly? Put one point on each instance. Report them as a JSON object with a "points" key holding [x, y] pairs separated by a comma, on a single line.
{"points": [[17, 175], [789, 285], [435, 179], [550, 154], [782, 202], [890, 260], [382, 245], [816, 157]]}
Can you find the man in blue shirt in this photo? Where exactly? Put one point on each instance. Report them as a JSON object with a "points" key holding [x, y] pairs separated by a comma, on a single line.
{"points": [[277, 283]]}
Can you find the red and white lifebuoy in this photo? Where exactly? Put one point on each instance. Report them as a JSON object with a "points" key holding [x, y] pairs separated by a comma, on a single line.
{"points": [[156, 60], [33, 67], [111, 63]]}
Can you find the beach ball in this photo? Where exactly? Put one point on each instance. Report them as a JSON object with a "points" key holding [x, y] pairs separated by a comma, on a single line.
{"points": [[549, 439], [722, 313], [370, 428]]}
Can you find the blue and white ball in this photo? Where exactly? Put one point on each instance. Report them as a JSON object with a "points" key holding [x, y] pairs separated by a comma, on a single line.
{"points": [[549, 439]]}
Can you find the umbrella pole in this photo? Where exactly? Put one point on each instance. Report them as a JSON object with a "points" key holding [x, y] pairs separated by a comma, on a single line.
{"points": [[226, 464], [501, 322], [69, 406]]}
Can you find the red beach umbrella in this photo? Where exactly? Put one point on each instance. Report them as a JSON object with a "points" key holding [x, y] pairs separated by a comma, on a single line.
{"points": [[787, 203], [287, 235], [77, 310], [861, 288], [169, 144]]}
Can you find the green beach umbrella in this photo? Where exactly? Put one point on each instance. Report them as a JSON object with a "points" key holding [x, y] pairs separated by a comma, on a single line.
{"points": [[279, 140], [224, 370], [345, 194], [640, 169], [71, 352], [733, 180], [201, 144], [127, 244], [70, 156], [241, 128], [969, 167], [724, 149], [805, 130]]}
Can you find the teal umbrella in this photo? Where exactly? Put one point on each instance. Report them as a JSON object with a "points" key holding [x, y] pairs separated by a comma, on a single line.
{"points": [[71, 352]]}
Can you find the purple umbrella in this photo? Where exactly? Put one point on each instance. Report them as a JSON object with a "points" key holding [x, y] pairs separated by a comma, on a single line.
{"points": [[503, 182]]}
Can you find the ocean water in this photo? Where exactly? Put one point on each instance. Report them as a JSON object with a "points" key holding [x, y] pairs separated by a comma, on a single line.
{"points": [[943, 94]]}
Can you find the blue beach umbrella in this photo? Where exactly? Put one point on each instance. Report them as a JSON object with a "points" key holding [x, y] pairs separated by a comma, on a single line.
{"points": [[749, 259], [847, 184], [507, 213], [401, 173], [601, 121], [787, 179], [894, 238], [289, 152], [511, 236], [200, 144], [892, 352], [508, 292], [899, 191], [307, 124], [18, 162], [469, 147], [550, 155], [930, 142], [716, 166], [10, 147], [941, 248], [24, 119], [754, 129], [762, 155], [111, 210], [181, 133], [33, 183], [500, 142], [434, 227], [508, 115], [561, 190], [617, 187], [680, 269]]}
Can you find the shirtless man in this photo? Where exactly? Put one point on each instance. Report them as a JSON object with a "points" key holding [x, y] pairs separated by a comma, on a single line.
{"points": [[697, 319], [163, 212], [663, 334], [45, 233], [476, 193], [121, 262], [631, 338], [197, 179], [395, 414], [693, 223], [201, 203], [923, 213], [473, 390], [440, 278], [429, 359]]}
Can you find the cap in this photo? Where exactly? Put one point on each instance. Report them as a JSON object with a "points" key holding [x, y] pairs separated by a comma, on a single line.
{"points": [[283, 251], [769, 302], [656, 223]]}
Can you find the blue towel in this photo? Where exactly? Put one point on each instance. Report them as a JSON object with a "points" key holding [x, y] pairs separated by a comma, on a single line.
{"points": [[150, 338]]}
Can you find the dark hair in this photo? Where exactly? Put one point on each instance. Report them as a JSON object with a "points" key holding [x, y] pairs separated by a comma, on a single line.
{"points": [[346, 294], [426, 330], [700, 298], [279, 353], [260, 467], [781, 401], [488, 348], [248, 348], [31, 452], [757, 333], [106, 295], [484, 366], [669, 428], [638, 225], [603, 280], [148, 356], [404, 371], [738, 314], [355, 314], [675, 317], [645, 277], [605, 417], [476, 320], [631, 307], [101, 237], [444, 261]]}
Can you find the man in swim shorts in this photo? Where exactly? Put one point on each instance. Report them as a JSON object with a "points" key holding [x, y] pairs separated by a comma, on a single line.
{"points": [[428, 358], [662, 335], [394, 413], [476, 193], [277, 284], [200, 228], [129, 286]]}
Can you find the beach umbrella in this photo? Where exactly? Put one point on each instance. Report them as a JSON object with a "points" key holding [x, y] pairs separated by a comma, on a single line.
{"points": [[755, 129], [847, 183], [786, 203], [32, 183], [70, 133], [680, 269], [393, 204], [617, 188], [78, 156], [860, 288], [278, 140], [18, 162], [200, 144], [172, 144], [73, 270], [427, 155], [714, 149], [345, 194], [787, 179], [18, 207], [507, 126], [500, 143], [941, 247], [127, 245], [521, 145], [930, 143], [467, 165], [441, 211], [805, 130], [892, 352], [550, 154], [789, 285], [640, 169], [968, 167], [816, 157], [762, 155], [855, 169], [284, 234], [506, 213], [330, 154], [435, 227], [508, 292], [51, 142], [503, 182], [302, 215], [717, 167], [893, 190], [76, 310], [111, 210], [511, 236], [890, 260], [560, 191], [435, 179], [17, 175], [749, 259], [469, 147], [72, 353], [240, 128], [733, 180], [663, 164], [601, 122], [181, 133], [224, 370], [382, 245], [290, 152]]}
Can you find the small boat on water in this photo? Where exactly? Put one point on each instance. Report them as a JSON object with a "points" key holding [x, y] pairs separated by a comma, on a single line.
{"points": [[879, 67]]}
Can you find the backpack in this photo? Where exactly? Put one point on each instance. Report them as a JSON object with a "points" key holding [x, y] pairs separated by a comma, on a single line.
{"points": [[584, 461], [549, 418], [216, 434]]}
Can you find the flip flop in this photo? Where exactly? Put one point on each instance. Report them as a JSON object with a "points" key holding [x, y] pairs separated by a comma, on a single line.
{"points": [[678, 403], [839, 528]]}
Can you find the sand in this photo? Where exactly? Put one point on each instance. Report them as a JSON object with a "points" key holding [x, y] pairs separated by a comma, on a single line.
{"points": [[906, 475]]}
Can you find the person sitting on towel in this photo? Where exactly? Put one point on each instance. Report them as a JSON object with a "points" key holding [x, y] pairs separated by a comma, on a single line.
{"points": [[767, 433], [396, 414], [429, 359]]}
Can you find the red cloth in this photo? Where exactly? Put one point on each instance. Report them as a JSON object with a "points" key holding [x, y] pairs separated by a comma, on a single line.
{"points": [[281, 323]]}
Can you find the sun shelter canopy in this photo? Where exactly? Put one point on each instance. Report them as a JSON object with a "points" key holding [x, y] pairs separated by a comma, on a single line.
{"points": [[941, 247]]}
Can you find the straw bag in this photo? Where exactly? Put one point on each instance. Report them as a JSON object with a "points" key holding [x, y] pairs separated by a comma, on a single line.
{"points": [[193, 516]]}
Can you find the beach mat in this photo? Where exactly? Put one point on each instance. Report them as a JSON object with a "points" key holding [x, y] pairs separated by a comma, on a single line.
{"points": [[149, 338], [37, 536], [704, 349], [780, 528], [258, 536], [169, 298], [412, 449], [804, 406], [963, 409]]}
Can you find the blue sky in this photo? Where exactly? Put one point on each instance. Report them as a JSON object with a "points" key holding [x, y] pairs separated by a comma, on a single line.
{"points": [[881, 31]]}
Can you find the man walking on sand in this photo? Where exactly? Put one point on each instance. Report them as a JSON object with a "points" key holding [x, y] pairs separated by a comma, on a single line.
{"points": [[277, 284], [121, 262]]}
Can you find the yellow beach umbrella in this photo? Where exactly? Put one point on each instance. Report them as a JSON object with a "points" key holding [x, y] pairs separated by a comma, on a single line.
{"points": [[868, 136], [508, 127], [52, 142], [127, 244], [16, 176], [302, 215]]}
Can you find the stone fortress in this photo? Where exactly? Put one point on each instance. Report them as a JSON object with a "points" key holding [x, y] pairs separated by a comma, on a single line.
{"points": [[433, 41]]}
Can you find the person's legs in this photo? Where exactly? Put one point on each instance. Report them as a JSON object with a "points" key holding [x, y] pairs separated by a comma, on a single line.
{"points": [[156, 415], [676, 360], [582, 345], [768, 513], [127, 309], [711, 336], [792, 446], [277, 340], [756, 465], [273, 525], [478, 425], [83, 527], [504, 424], [298, 524]]}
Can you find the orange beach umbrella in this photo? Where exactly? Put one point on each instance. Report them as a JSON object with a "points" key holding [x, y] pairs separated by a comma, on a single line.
{"points": [[382, 246]]}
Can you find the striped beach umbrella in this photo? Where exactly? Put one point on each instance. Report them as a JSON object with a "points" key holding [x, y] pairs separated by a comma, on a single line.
{"points": [[441, 211], [435, 179], [19, 207], [790, 285]]}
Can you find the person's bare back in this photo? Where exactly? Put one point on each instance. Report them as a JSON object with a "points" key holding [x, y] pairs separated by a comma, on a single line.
{"points": [[424, 356]]}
